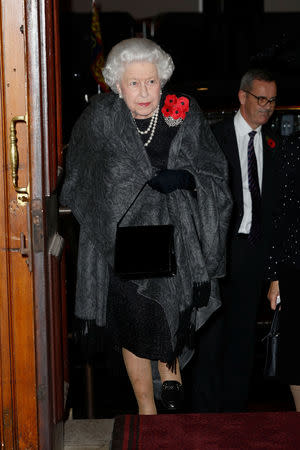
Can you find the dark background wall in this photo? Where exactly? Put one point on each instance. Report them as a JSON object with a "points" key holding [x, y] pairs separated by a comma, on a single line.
{"points": [[139, 9], [211, 49]]}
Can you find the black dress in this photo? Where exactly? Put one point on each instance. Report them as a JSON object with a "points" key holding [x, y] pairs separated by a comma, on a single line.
{"points": [[135, 322], [284, 259]]}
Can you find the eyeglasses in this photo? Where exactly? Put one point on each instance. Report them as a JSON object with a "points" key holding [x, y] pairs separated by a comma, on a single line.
{"points": [[263, 101]]}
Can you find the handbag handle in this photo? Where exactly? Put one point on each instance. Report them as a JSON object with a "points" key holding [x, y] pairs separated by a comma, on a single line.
{"points": [[275, 322], [132, 203], [274, 329]]}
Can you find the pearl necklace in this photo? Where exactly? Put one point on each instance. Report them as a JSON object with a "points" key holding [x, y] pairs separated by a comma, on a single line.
{"points": [[151, 128]]}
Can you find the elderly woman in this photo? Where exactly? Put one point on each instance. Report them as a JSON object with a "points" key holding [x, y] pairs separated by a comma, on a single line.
{"points": [[135, 136]]}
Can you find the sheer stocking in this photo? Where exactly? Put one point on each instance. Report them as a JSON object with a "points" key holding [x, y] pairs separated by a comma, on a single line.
{"points": [[140, 375], [295, 389], [167, 374]]}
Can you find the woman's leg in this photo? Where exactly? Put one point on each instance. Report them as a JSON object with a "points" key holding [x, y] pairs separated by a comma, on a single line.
{"points": [[140, 375], [295, 389], [167, 374]]}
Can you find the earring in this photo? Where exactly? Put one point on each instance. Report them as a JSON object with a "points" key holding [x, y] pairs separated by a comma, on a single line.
{"points": [[120, 94]]}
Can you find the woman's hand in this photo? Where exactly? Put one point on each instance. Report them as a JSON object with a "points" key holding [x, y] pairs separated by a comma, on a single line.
{"points": [[169, 180], [273, 293]]}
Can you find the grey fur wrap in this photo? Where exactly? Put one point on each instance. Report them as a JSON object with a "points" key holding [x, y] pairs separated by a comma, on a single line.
{"points": [[106, 166]]}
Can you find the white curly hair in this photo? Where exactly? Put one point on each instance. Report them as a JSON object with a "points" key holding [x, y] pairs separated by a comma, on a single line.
{"points": [[135, 50]]}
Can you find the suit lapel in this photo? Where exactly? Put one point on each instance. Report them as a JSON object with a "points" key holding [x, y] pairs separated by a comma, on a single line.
{"points": [[232, 153], [231, 147]]}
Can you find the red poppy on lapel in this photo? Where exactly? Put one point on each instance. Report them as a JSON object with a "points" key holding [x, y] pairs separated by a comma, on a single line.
{"points": [[175, 109], [184, 102], [170, 100], [270, 142]]}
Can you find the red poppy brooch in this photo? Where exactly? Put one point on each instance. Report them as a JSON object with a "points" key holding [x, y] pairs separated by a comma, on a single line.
{"points": [[270, 142], [175, 109]]}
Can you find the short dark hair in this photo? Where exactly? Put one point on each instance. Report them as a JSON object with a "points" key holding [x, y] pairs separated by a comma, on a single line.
{"points": [[255, 74]]}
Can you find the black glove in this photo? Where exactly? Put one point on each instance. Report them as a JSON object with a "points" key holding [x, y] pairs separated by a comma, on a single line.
{"points": [[169, 180], [201, 294]]}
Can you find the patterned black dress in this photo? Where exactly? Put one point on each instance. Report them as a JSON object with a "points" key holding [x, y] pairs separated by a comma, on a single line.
{"points": [[284, 259]]}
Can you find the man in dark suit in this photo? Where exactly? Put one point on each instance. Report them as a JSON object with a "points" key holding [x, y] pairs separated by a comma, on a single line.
{"points": [[223, 365]]}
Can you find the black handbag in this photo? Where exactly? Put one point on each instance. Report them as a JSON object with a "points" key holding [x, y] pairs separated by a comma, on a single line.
{"points": [[144, 251], [272, 346]]}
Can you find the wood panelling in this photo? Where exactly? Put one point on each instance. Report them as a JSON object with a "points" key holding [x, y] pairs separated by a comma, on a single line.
{"points": [[6, 398], [31, 335], [17, 313]]}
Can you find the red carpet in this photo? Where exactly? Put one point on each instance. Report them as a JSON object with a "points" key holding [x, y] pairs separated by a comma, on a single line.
{"points": [[246, 431]]}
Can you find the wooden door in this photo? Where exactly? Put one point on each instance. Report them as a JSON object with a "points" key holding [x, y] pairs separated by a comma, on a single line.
{"points": [[32, 340]]}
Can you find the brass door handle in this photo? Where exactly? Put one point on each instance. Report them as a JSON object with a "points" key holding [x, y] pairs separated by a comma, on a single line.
{"points": [[22, 193]]}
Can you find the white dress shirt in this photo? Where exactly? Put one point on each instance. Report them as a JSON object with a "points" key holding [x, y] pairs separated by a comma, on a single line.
{"points": [[242, 130]]}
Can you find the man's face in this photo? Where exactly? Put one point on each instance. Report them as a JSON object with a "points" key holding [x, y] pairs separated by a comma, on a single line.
{"points": [[251, 111]]}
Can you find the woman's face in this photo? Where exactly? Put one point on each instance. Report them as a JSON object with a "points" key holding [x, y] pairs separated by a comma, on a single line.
{"points": [[140, 88]]}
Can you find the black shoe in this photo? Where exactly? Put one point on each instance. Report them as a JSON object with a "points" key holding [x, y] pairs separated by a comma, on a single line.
{"points": [[172, 395]]}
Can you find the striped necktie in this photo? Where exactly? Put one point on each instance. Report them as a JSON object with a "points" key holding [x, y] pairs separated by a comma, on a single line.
{"points": [[255, 230]]}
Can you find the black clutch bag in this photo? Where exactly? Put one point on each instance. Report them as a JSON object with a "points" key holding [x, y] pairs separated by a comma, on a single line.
{"points": [[272, 346], [144, 251]]}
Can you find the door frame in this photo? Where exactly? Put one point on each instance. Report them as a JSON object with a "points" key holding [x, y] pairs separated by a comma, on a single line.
{"points": [[32, 355]]}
